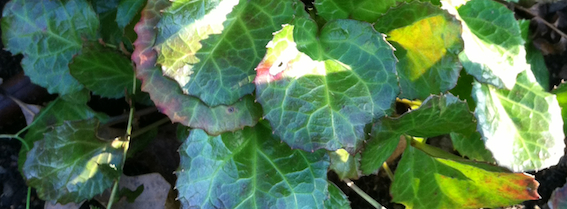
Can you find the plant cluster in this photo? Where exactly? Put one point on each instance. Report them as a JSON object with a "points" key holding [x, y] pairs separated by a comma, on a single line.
{"points": [[276, 94]]}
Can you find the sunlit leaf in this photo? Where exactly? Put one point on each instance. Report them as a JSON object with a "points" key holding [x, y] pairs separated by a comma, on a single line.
{"points": [[211, 47], [345, 165], [523, 126], [167, 94], [425, 67], [55, 114], [494, 49], [436, 116], [249, 169], [561, 93], [325, 101], [89, 167], [425, 182], [48, 34]]}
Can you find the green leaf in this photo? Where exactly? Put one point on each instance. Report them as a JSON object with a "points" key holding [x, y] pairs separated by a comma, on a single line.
{"points": [[345, 165], [436, 116], [167, 95], [424, 67], [337, 199], [534, 57], [422, 181], [48, 34], [249, 169], [561, 94], [494, 49], [89, 166], [105, 72], [55, 114], [325, 102], [472, 146], [364, 10], [522, 126], [211, 47], [126, 11]]}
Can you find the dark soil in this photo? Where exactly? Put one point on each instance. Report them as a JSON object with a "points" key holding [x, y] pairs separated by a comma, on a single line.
{"points": [[160, 154]]}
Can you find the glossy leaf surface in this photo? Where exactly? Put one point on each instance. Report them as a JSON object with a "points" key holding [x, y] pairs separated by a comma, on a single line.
{"points": [[523, 126], [494, 49], [249, 169], [324, 100], [105, 72], [211, 47], [425, 182], [436, 116], [427, 41], [48, 34], [89, 167], [167, 94]]}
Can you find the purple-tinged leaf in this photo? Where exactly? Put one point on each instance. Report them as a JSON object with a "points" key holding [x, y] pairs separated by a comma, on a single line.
{"points": [[167, 94]]}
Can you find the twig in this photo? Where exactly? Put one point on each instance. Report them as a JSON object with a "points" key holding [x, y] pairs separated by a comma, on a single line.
{"points": [[535, 16], [363, 194], [388, 171]]}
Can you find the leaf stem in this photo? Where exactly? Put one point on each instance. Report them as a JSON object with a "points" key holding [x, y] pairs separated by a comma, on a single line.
{"points": [[126, 145], [388, 171], [149, 127], [363, 194], [15, 136], [434, 151]]}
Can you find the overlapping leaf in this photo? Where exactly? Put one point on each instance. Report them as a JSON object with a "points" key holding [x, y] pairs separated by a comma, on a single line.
{"points": [[55, 114], [126, 11], [345, 165], [422, 181], [166, 93], [436, 116], [249, 169], [211, 47], [561, 93], [523, 126], [48, 34], [494, 49], [534, 57], [472, 146], [337, 199], [427, 41], [89, 167], [325, 101], [104, 72], [365, 10]]}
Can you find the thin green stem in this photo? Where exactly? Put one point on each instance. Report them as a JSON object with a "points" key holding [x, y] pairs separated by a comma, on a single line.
{"points": [[128, 135], [15, 136], [149, 127], [28, 198], [362, 194], [388, 171]]}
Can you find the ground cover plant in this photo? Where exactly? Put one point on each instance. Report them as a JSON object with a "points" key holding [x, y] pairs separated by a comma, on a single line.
{"points": [[276, 94]]}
